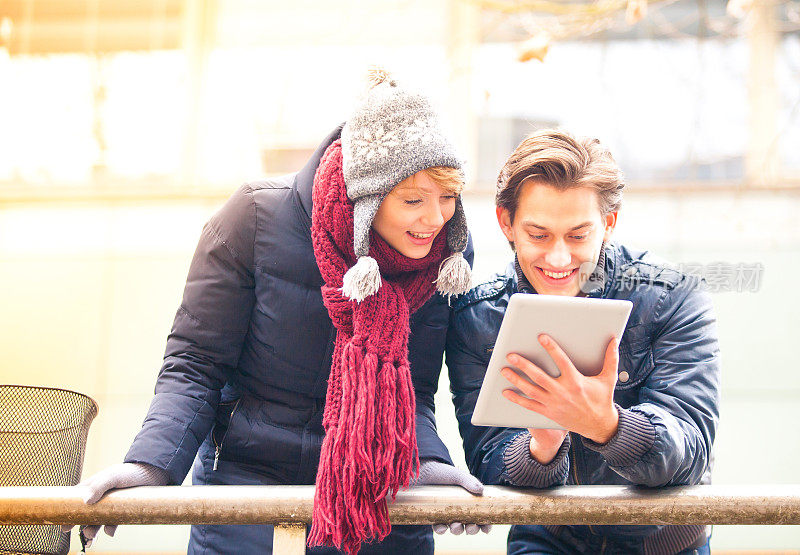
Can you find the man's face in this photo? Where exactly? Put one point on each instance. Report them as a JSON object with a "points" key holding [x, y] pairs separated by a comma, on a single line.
{"points": [[555, 232]]}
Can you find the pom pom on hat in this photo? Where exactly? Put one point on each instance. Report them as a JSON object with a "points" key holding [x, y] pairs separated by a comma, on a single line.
{"points": [[362, 280], [455, 276]]}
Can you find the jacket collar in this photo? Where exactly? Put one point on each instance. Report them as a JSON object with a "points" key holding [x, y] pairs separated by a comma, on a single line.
{"points": [[521, 283], [598, 280], [304, 179], [611, 266]]}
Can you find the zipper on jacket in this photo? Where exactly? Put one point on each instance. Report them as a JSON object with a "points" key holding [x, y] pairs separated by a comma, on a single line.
{"points": [[574, 466], [218, 446]]}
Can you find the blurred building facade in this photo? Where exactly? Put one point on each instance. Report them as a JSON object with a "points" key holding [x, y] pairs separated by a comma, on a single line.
{"points": [[169, 95]]}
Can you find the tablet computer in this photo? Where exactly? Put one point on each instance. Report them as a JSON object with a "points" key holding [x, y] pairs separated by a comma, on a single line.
{"points": [[581, 326]]}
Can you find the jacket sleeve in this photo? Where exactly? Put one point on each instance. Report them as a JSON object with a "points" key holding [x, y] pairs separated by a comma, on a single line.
{"points": [[494, 455], [430, 445], [666, 438], [205, 342]]}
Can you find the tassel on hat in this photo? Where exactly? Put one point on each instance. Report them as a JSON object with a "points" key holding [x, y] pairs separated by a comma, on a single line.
{"points": [[455, 276], [362, 280]]}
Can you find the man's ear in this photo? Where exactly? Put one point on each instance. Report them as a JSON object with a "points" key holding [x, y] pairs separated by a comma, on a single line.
{"points": [[504, 219], [610, 221]]}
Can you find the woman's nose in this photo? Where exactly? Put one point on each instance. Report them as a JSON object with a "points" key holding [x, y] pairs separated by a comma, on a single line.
{"points": [[434, 215]]}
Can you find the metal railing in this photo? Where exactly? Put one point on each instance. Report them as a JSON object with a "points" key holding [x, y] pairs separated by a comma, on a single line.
{"points": [[289, 508]]}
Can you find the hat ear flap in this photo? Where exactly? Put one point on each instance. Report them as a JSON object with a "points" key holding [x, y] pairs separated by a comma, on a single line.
{"points": [[457, 229], [455, 275], [364, 210]]}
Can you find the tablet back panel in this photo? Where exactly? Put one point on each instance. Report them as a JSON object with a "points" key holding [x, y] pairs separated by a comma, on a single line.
{"points": [[581, 326]]}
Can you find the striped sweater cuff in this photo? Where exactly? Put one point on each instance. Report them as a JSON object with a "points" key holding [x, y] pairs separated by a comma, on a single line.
{"points": [[635, 436], [676, 539], [521, 469]]}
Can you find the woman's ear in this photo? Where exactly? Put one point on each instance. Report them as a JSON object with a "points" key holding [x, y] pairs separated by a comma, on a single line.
{"points": [[610, 221], [504, 219]]}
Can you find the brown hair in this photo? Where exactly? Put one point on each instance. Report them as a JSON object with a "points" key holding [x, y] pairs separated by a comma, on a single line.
{"points": [[449, 179], [558, 159]]}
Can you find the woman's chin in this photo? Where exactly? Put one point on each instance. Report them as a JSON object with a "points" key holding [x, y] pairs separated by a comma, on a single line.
{"points": [[410, 250], [410, 247], [416, 252]]}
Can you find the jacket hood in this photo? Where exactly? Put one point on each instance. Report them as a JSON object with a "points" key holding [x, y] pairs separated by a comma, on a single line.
{"points": [[304, 179]]}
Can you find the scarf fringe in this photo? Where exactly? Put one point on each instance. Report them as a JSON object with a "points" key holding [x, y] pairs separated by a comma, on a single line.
{"points": [[378, 448]]}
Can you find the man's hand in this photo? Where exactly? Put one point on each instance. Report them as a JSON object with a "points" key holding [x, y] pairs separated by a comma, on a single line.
{"points": [[581, 404]]}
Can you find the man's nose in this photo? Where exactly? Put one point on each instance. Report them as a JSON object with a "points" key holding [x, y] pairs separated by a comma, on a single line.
{"points": [[559, 256]]}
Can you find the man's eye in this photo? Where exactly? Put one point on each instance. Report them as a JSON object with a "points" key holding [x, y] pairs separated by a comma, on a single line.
{"points": [[579, 237], [537, 237]]}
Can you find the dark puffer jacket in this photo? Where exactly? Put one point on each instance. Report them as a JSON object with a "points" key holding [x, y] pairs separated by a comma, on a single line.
{"points": [[246, 365], [667, 396]]}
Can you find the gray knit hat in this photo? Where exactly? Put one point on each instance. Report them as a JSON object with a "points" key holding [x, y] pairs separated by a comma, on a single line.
{"points": [[393, 134]]}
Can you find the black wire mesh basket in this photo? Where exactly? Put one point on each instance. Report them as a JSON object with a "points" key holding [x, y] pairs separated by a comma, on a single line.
{"points": [[42, 443]]}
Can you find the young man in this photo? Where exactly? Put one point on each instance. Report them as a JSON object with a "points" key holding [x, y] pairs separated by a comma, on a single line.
{"points": [[649, 418]]}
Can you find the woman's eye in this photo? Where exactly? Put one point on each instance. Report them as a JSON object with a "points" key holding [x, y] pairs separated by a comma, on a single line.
{"points": [[449, 197], [413, 202]]}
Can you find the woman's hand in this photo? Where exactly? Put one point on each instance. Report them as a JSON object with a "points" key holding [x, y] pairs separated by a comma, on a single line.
{"points": [[118, 476], [434, 473]]}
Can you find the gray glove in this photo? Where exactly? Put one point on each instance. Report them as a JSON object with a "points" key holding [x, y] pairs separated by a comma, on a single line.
{"points": [[118, 476], [434, 473]]}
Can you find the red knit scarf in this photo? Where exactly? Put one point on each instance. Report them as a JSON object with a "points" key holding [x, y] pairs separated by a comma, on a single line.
{"points": [[370, 447]]}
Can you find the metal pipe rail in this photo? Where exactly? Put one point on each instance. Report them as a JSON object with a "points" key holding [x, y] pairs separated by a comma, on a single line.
{"points": [[290, 507]]}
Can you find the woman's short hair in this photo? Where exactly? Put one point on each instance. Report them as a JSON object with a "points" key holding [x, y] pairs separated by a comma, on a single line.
{"points": [[560, 160], [451, 180]]}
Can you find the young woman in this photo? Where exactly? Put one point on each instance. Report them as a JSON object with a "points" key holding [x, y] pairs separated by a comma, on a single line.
{"points": [[309, 341]]}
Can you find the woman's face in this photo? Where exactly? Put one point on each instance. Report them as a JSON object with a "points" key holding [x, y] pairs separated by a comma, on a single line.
{"points": [[413, 213]]}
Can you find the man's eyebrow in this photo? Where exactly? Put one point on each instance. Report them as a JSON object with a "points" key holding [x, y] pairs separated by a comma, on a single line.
{"points": [[528, 223]]}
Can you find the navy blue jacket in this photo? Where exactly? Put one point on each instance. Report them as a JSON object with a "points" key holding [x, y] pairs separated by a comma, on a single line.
{"points": [[667, 393], [247, 362]]}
